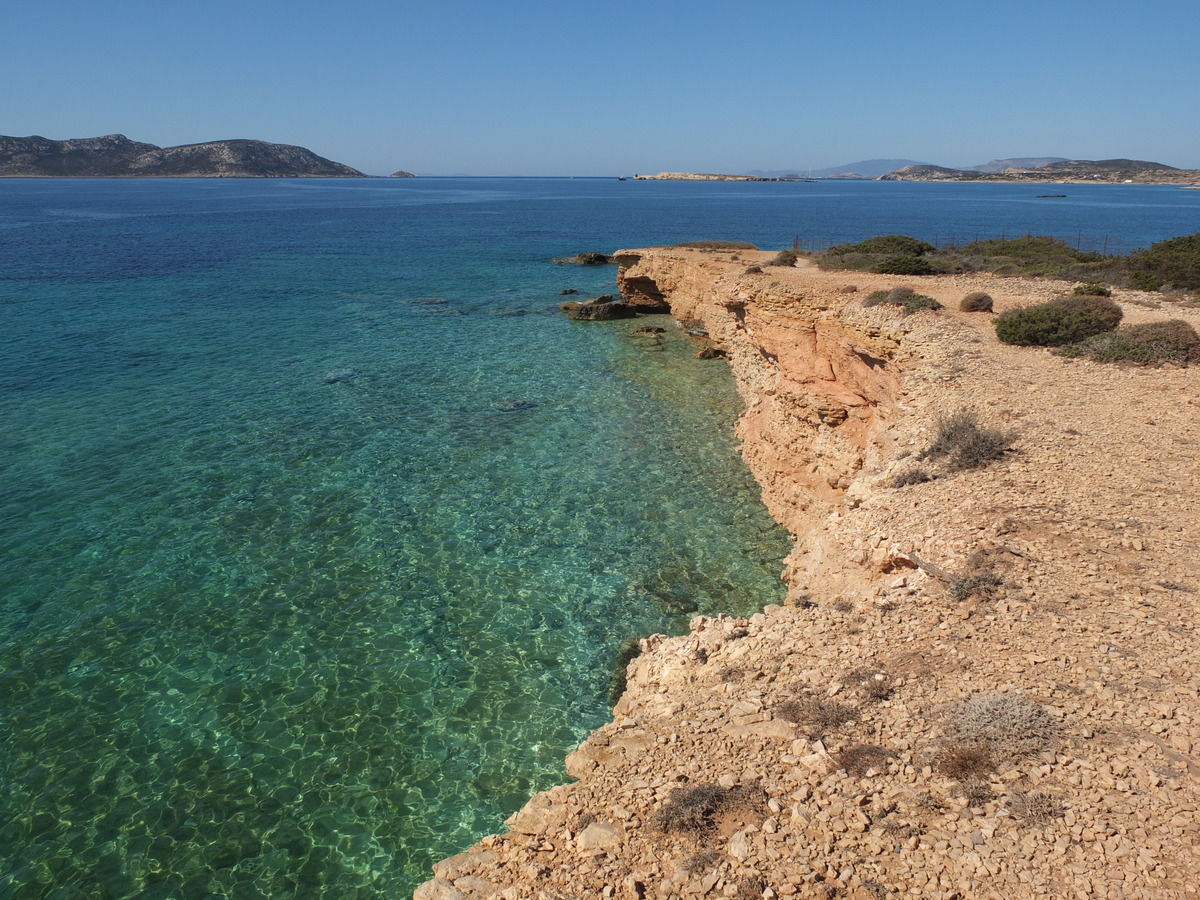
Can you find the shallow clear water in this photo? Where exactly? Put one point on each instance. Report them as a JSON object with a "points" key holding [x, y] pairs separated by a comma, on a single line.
{"points": [[321, 524]]}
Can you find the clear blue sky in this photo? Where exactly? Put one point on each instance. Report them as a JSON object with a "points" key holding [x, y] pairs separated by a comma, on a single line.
{"points": [[532, 87]]}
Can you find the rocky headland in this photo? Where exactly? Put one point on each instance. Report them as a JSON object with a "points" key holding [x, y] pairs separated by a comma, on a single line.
{"points": [[985, 682], [116, 156]]}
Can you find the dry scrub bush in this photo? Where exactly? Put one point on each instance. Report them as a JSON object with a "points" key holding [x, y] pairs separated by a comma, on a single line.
{"points": [[694, 810], [1007, 726], [816, 715], [964, 761], [912, 476], [976, 301], [1035, 809], [871, 684], [1148, 344], [858, 758], [981, 584], [968, 444]]}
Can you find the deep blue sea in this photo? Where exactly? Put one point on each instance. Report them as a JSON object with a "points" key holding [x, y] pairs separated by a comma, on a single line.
{"points": [[320, 524]]}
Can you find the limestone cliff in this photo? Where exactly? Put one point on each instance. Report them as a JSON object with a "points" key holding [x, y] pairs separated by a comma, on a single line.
{"points": [[983, 685]]}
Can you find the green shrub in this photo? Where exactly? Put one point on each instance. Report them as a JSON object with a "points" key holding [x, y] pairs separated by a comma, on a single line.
{"points": [[1028, 255], [918, 302], [982, 584], [716, 245], [887, 243], [905, 264], [1092, 289], [968, 444], [904, 297], [876, 297], [1174, 262], [976, 301], [784, 258], [1149, 344], [1067, 320]]}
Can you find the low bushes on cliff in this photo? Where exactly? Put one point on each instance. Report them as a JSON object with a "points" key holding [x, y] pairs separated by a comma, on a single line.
{"points": [[696, 809], [889, 254], [904, 297], [965, 443], [1174, 263], [906, 264], [1066, 320], [784, 258], [1148, 344], [976, 301]]}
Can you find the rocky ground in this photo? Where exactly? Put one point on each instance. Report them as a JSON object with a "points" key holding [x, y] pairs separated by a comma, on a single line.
{"points": [[983, 685]]}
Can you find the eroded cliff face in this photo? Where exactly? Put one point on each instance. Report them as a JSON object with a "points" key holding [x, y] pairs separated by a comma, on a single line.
{"points": [[819, 374], [816, 750]]}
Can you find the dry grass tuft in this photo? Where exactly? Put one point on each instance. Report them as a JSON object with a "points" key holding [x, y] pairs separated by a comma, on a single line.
{"points": [[694, 810], [859, 758], [1038, 808], [870, 683], [1007, 727], [966, 443], [816, 715]]}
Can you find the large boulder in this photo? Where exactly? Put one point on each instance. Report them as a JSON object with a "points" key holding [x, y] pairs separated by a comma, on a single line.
{"points": [[598, 309]]}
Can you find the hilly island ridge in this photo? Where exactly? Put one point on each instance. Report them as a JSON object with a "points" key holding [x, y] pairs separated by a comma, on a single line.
{"points": [[1051, 170], [116, 156]]}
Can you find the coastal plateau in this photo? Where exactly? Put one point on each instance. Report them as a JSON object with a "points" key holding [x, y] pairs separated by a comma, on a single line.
{"points": [[982, 685], [115, 155]]}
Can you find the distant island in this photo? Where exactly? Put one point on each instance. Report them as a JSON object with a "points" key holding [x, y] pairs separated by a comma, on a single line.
{"points": [[1021, 169], [701, 176], [1070, 171], [116, 156]]}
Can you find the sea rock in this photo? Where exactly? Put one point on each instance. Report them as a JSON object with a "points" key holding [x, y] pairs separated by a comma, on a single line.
{"points": [[588, 258], [599, 308]]}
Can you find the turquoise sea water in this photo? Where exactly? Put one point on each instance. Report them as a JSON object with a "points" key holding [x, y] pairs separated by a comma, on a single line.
{"points": [[321, 524]]}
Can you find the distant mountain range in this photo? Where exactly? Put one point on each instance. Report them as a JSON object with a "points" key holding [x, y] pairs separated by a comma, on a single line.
{"points": [[115, 155]]}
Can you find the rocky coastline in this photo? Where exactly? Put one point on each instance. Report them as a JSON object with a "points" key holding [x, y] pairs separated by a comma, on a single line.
{"points": [[984, 684]]}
